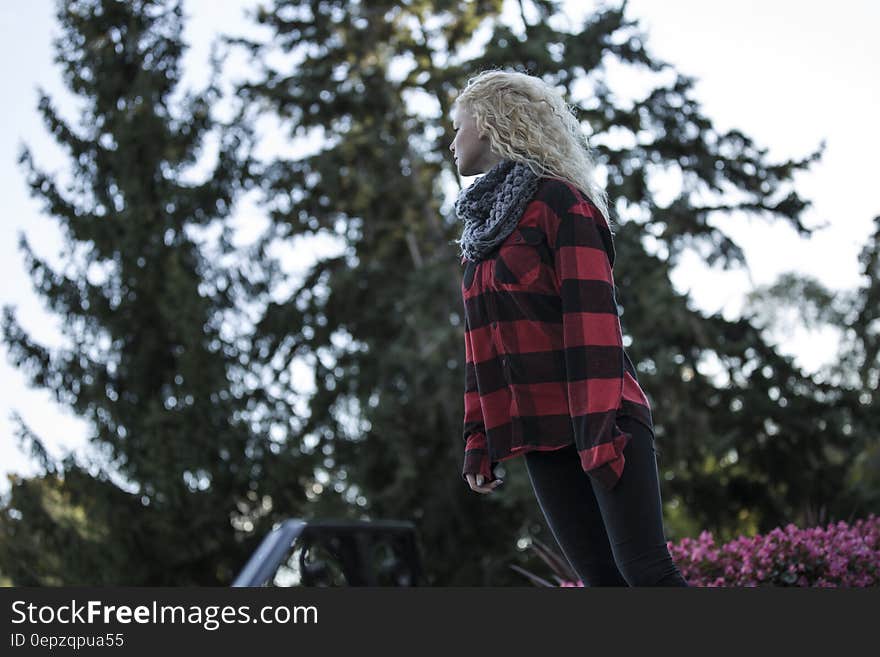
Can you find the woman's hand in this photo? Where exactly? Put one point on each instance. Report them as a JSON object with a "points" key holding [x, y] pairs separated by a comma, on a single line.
{"points": [[476, 483]]}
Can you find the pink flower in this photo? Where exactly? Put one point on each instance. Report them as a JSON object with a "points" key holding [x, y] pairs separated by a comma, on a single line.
{"points": [[836, 555]]}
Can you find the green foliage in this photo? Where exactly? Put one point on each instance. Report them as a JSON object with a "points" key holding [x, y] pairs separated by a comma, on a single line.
{"points": [[746, 448], [148, 364]]}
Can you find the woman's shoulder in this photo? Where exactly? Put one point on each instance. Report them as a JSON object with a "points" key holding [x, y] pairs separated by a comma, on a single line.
{"points": [[554, 184], [561, 195]]}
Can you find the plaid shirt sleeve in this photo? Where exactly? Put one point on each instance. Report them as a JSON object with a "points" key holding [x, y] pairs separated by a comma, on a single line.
{"points": [[476, 454], [593, 343]]}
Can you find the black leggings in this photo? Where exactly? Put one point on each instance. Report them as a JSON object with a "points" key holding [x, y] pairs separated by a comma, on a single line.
{"points": [[610, 538]]}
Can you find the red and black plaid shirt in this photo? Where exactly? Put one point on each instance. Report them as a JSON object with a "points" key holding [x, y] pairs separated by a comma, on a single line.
{"points": [[544, 359]]}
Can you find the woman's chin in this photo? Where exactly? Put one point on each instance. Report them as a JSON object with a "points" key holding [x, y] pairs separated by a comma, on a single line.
{"points": [[465, 170]]}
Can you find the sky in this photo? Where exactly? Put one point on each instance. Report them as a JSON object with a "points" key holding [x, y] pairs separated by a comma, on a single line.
{"points": [[789, 74]]}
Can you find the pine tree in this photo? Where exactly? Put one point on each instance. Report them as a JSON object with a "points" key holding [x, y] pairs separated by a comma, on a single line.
{"points": [[382, 321], [154, 362]]}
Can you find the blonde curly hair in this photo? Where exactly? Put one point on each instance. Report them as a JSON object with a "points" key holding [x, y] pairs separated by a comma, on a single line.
{"points": [[527, 120]]}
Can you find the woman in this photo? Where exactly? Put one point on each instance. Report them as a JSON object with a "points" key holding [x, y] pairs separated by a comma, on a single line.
{"points": [[546, 374]]}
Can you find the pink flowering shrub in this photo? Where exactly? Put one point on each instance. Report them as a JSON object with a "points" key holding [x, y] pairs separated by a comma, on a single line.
{"points": [[834, 556], [837, 555]]}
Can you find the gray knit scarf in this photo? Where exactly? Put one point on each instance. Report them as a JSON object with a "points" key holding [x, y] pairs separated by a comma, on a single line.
{"points": [[492, 206]]}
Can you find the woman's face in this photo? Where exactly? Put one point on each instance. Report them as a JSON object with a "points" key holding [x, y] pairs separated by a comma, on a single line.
{"points": [[473, 154]]}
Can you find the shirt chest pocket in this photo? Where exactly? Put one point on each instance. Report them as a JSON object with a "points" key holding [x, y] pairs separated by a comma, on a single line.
{"points": [[518, 261]]}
